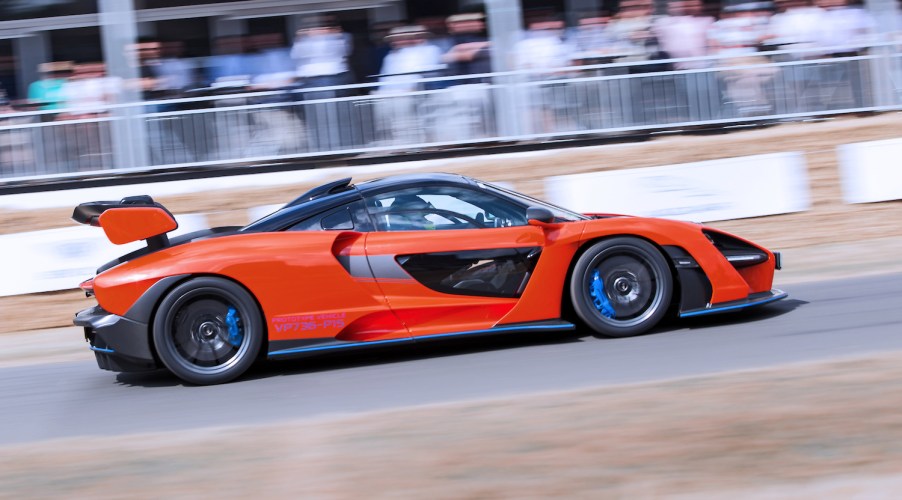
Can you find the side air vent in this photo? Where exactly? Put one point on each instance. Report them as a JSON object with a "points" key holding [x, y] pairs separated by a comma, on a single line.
{"points": [[737, 252]]}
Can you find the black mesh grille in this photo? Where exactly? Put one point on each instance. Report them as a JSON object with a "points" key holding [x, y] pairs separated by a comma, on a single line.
{"points": [[737, 252]]}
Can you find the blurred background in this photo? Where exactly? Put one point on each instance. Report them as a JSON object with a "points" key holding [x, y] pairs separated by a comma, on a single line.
{"points": [[105, 86], [97, 97]]}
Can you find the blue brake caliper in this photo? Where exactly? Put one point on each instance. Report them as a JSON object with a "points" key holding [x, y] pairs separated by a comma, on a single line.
{"points": [[596, 290], [233, 321]]}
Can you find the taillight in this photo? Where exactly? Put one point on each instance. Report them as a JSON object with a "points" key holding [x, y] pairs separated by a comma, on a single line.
{"points": [[88, 287]]}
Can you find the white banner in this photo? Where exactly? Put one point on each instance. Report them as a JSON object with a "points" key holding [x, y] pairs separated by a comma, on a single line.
{"points": [[732, 188], [871, 171], [60, 259]]}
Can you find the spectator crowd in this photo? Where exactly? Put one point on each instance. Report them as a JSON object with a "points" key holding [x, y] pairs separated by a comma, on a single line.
{"points": [[429, 81]]}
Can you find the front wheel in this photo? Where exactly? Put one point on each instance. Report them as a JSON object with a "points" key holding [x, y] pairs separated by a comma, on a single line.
{"points": [[621, 287], [208, 331]]}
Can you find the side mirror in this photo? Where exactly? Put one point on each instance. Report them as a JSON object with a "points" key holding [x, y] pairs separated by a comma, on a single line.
{"points": [[539, 214]]}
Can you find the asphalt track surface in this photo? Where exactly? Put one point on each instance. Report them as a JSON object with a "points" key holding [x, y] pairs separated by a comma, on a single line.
{"points": [[819, 321]]}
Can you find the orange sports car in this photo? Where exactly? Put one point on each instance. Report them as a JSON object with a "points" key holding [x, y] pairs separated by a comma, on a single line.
{"points": [[396, 260]]}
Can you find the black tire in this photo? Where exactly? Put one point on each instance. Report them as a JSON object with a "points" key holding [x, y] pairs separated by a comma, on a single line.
{"points": [[208, 331], [636, 284]]}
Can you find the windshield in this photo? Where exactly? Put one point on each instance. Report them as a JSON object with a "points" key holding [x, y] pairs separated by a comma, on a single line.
{"points": [[560, 214]]}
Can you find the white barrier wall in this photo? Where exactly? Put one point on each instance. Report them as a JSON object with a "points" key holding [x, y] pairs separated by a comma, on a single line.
{"points": [[60, 259], [255, 213], [871, 171], [732, 188]]}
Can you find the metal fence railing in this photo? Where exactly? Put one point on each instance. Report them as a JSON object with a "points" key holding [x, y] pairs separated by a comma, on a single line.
{"points": [[514, 106]]}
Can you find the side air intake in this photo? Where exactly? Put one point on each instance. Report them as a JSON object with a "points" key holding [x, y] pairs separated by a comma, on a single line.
{"points": [[736, 251]]}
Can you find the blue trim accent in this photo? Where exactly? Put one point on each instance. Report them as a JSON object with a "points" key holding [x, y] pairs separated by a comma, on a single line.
{"points": [[101, 349], [778, 294], [500, 329], [334, 346]]}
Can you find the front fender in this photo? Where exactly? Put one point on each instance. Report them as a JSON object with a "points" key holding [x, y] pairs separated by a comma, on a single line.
{"points": [[726, 282]]}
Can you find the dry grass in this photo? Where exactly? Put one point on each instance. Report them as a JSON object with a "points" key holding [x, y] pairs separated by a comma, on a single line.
{"points": [[17, 313], [827, 430]]}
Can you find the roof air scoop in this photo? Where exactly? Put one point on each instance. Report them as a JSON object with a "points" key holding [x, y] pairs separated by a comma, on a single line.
{"points": [[320, 191]]}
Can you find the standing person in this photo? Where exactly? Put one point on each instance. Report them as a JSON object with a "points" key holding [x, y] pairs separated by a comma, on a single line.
{"points": [[88, 94], [592, 40], [176, 74], [271, 67], [739, 34], [594, 46], [741, 29], [795, 28], [845, 32], [845, 29], [684, 35], [412, 57], [470, 51], [228, 71], [90, 90], [377, 48], [164, 135], [16, 153], [462, 111], [320, 53], [543, 47], [439, 31], [47, 93], [149, 53], [229, 66], [544, 51], [271, 64], [631, 30], [274, 129]]}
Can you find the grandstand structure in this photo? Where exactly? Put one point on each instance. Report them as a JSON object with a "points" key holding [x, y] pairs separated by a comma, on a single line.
{"points": [[212, 125]]}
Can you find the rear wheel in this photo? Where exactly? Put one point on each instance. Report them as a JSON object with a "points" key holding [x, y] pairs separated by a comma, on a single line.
{"points": [[621, 287], [208, 331]]}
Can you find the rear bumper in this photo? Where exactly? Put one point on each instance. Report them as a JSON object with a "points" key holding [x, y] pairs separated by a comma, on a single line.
{"points": [[119, 344]]}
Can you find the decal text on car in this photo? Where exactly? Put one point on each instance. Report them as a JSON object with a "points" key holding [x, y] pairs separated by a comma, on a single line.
{"points": [[308, 322]]}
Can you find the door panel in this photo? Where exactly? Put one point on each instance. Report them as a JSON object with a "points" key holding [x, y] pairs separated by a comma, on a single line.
{"points": [[327, 300], [453, 280]]}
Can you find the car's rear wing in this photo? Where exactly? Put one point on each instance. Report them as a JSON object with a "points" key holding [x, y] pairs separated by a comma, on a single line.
{"points": [[129, 219]]}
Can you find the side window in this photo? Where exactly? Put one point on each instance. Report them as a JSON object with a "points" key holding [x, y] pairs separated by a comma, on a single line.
{"points": [[350, 217], [340, 220], [442, 207], [496, 272]]}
